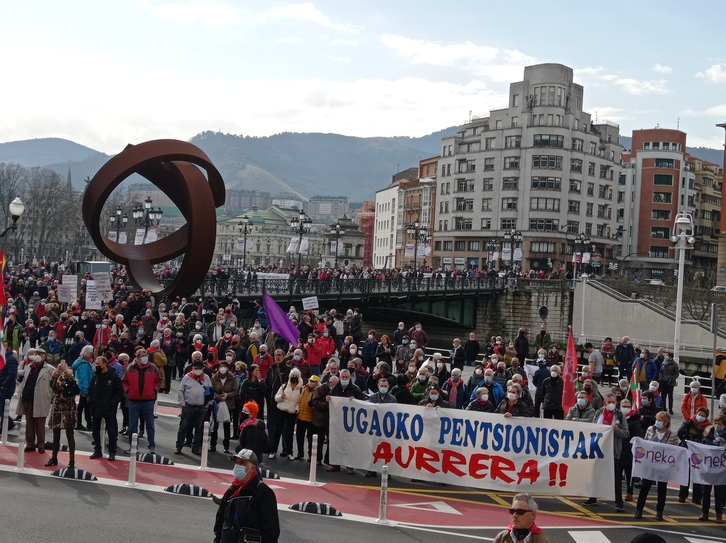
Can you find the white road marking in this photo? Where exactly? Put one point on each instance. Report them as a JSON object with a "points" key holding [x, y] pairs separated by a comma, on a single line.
{"points": [[437, 506]]}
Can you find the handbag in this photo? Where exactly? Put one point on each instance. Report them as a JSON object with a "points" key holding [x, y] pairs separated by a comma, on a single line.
{"points": [[70, 388], [249, 535], [223, 413]]}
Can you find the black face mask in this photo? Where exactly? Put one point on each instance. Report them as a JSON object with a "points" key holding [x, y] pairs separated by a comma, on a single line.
{"points": [[294, 380], [99, 369]]}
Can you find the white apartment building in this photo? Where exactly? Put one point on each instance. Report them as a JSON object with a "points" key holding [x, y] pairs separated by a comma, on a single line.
{"points": [[386, 226], [540, 167]]}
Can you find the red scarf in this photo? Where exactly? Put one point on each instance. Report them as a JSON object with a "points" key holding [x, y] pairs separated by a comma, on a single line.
{"points": [[252, 421], [534, 529], [607, 417], [239, 485], [199, 379]]}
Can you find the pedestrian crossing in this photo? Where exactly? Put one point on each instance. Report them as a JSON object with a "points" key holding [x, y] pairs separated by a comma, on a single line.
{"points": [[625, 535]]}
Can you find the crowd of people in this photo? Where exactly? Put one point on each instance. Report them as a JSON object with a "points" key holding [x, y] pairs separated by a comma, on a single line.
{"points": [[264, 395]]}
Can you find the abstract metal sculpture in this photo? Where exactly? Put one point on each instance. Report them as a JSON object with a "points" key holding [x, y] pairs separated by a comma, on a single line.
{"points": [[174, 167]]}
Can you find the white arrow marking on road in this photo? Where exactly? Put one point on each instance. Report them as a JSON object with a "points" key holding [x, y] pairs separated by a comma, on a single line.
{"points": [[439, 507], [275, 487], [697, 540], [591, 536]]}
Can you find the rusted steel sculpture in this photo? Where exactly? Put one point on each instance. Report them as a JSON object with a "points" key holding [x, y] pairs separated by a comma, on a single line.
{"points": [[174, 167]]}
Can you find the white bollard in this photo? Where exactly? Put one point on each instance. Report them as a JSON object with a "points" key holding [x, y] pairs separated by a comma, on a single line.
{"points": [[102, 434], [205, 446], [21, 449], [4, 436], [132, 461], [312, 478], [384, 497]]}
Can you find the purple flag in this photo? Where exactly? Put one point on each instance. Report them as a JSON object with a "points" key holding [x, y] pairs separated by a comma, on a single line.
{"points": [[280, 323]]}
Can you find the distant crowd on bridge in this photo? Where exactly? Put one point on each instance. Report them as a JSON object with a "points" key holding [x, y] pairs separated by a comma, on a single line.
{"points": [[74, 367]]}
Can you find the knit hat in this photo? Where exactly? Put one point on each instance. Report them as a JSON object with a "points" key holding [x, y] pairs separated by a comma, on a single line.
{"points": [[253, 408]]}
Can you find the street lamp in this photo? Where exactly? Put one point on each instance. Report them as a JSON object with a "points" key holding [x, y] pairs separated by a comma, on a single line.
{"points": [[244, 229], [119, 221], [300, 225], [683, 239], [491, 247], [581, 240], [16, 207], [147, 216], [583, 338], [418, 232], [514, 236], [337, 231]]}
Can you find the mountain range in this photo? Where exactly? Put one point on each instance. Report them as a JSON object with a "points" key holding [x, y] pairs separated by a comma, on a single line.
{"points": [[306, 164]]}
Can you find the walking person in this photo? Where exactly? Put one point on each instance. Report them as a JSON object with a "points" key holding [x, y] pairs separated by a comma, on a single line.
{"points": [[63, 412], [105, 392]]}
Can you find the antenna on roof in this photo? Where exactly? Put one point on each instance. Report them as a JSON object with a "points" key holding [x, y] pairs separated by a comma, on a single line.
{"points": [[678, 124], [470, 115]]}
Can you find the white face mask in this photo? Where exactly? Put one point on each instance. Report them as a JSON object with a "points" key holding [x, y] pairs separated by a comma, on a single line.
{"points": [[198, 372], [554, 374], [240, 472], [511, 396], [223, 370], [484, 397], [610, 407], [626, 410]]}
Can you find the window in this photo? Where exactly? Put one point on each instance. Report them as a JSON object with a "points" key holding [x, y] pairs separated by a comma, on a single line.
{"points": [[448, 245], [604, 192], [664, 163], [511, 163], [548, 140], [488, 184], [509, 204], [515, 100], [646, 145], [510, 183], [660, 232], [591, 168], [656, 145], [459, 246], [461, 223], [464, 185], [603, 172], [486, 204], [515, 122], [508, 224], [661, 179], [464, 205], [544, 204], [474, 245], [577, 144], [658, 252], [498, 125], [542, 247], [593, 148], [544, 225], [576, 165], [662, 197], [437, 245], [603, 211], [575, 186], [547, 162], [588, 228], [489, 143], [573, 206], [573, 227], [588, 209], [591, 189], [488, 164], [546, 183], [486, 224], [512, 142]]}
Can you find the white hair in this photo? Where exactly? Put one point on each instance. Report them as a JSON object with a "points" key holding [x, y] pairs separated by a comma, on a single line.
{"points": [[155, 343], [87, 351]]}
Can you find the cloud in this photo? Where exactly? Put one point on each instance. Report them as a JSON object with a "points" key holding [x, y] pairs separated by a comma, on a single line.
{"points": [[638, 87], [714, 111], [503, 65], [210, 12], [305, 11], [661, 69], [714, 74]]}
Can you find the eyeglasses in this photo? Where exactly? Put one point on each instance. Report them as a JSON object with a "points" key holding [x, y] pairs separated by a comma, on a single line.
{"points": [[520, 512]]}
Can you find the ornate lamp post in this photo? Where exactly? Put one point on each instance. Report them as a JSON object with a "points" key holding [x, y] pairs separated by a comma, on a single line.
{"points": [[147, 216], [120, 221], [417, 232], [244, 230], [581, 240], [514, 236], [683, 239], [337, 231], [300, 225], [16, 207]]}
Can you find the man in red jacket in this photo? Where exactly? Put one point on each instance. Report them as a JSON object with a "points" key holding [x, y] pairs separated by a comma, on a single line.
{"points": [[141, 384]]}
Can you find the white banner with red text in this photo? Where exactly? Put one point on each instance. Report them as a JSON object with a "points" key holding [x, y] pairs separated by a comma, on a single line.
{"points": [[707, 463], [479, 450], [659, 461]]}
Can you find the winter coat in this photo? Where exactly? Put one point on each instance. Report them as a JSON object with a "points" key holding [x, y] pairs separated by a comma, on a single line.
{"points": [[635, 429], [195, 391], [321, 409], [158, 358], [620, 433], [255, 391], [305, 409], [84, 373], [487, 407], [226, 384], [63, 412], [8, 375], [552, 393], [586, 414], [519, 409], [291, 402], [462, 394], [255, 507], [131, 382], [691, 404], [105, 393], [43, 393]]}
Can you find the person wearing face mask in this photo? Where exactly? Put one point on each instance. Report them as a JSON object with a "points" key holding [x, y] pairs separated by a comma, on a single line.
{"points": [[609, 369], [225, 342], [522, 529], [287, 399], [635, 429], [63, 413], [457, 355], [399, 334], [420, 384], [384, 350], [83, 370], [693, 401], [624, 356], [500, 372], [486, 379], [552, 389], [404, 353], [481, 402], [610, 415], [104, 395], [159, 359], [368, 352], [141, 385], [314, 352], [224, 386], [434, 398], [35, 397], [582, 411], [382, 371], [455, 390], [305, 418], [593, 394], [623, 391], [102, 336], [645, 369], [345, 388], [716, 436], [512, 405], [648, 409], [248, 509], [194, 396], [660, 432], [693, 429], [54, 348], [420, 337], [441, 371], [384, 392], [667, 377], [327, 346]]}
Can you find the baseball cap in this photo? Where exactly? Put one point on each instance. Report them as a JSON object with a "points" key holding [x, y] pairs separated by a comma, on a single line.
{"points": [[197, 363], [245, 454], [314, 378]]}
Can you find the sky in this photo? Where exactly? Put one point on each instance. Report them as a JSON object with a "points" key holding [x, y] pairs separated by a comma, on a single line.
{"points": [[108, 73]]}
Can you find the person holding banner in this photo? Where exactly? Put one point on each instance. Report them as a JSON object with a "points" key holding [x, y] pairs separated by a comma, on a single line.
{"points": [[512, 405], [661, 433], [625, 464], [693, 429], [716, 436], [522, 528]]}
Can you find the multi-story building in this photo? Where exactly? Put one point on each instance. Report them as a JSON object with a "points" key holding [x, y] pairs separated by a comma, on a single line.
{"points": [[539, 167], [327, 208], [708, 186], [238, 200]]}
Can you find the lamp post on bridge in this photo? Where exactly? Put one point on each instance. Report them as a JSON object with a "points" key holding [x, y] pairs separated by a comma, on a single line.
{"points": [[337, 231], [418, 232], [300, 225], [581, 241], [16, 208], [120, 221], [147, 216], [683, 239], [514, 236], [244, 230]]}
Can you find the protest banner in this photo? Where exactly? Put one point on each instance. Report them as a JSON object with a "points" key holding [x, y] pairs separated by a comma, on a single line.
{"points": [[103, 285], [659, 461], [707, 464], [472, 449], [93, 300], [310, 303]]}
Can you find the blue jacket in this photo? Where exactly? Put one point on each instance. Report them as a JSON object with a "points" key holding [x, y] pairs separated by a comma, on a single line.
{"points": [[8, 375], [74, 351], [84, 373], [495, 389], [651, 369]]}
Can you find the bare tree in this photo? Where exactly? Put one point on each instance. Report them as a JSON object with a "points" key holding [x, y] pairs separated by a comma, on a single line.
{"points": [[12, 183]]}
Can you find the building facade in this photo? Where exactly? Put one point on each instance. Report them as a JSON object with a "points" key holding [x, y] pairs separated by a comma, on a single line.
{"points": [[327, 208], [539, 167]]}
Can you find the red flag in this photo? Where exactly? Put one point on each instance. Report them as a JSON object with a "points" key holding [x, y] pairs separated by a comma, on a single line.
{"points": [[635, 389], [3, 298], [2, 345], [569, 374]]}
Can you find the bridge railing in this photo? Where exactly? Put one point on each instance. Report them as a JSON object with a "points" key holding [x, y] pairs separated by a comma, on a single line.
{"points": [[347, 287]]}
